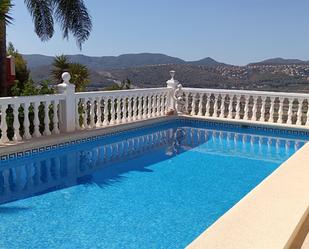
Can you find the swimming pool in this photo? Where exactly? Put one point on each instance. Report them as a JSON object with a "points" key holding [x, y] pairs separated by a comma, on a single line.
{"points": [[154, 187]]}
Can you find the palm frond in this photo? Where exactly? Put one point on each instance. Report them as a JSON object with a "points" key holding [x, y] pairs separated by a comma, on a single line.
{"points": [[73, 17], [42, 15], [5, 7]]}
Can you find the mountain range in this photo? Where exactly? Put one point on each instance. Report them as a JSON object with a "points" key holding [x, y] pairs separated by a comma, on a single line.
{"points": [[142, 59], [117, 62], [279, 61], [152, 70]]}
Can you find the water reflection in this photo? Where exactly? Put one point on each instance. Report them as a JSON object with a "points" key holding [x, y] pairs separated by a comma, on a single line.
{"points": [[27, 177]]}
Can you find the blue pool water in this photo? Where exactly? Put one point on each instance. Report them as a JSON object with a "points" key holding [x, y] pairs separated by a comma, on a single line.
{"points": [[155, 187]]}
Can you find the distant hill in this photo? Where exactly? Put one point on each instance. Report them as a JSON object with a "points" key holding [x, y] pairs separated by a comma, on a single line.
{"points": [[207, 62], [279, 61], [117, 62], [152, 70]]}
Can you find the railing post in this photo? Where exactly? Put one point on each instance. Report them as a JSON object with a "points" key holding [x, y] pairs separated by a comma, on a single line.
{"points": [[172, 84], [67, 107]]}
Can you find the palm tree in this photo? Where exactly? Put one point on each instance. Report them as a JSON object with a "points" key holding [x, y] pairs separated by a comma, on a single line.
{"points": [[79, 72], [5, 19], [60, 65], [72, 16], [80, 76]]}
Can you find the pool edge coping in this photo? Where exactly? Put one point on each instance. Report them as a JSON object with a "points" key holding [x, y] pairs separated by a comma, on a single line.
{"points": [[248, 224]]}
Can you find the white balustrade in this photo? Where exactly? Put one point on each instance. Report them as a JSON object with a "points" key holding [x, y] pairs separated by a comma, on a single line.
{"points": [[120, 107], [29, 117], [251, 106], [35, 116]]}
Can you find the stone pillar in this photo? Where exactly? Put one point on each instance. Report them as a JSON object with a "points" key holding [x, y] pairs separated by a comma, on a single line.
{"points": [[172, 83], [67, 106]]}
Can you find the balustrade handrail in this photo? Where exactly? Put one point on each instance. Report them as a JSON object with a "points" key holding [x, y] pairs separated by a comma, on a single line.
{"points": [[122, 92], [32, 98], [246, 92]]}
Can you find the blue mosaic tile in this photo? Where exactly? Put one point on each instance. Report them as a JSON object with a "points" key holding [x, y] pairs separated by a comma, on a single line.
{"points": [[20, 154], [12, 156]]}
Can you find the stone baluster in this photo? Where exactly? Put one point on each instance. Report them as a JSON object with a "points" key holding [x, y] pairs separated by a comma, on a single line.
{"points": [[130, 116], [193, 105], [144, 107], [16, 125], [26, 123], [36, 121], [77, 116], [46, 118], [230, 108], [118, 110], [307, 114], [200, 105], [299, 111], [222, 106], [91, 113], [237, 110], [207, 107], [162, 104], [106, 111], [154, 106], [280, 112], [246, 108], [3, 126], [149, 106], [112, 112], [158, 105], [139, 107], [187, 94], [263, 109], [272, 109], [290, 111], [124, 110], [135, 109], [99, 112], [215, 113], [84, 113], [254, 108]]}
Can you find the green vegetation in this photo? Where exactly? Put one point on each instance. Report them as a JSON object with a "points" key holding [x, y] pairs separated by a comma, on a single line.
{"points": [[79, 73], [71, 15], [24, 85]]}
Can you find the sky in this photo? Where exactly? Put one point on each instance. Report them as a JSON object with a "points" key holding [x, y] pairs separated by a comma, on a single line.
{"points": [[231, 31]]}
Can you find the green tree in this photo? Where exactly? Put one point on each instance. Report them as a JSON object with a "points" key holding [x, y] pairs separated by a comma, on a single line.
{"points": [[79, 73], [72, 16], [60, 65], [5, 19], [21, 69], [80, 76]]}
